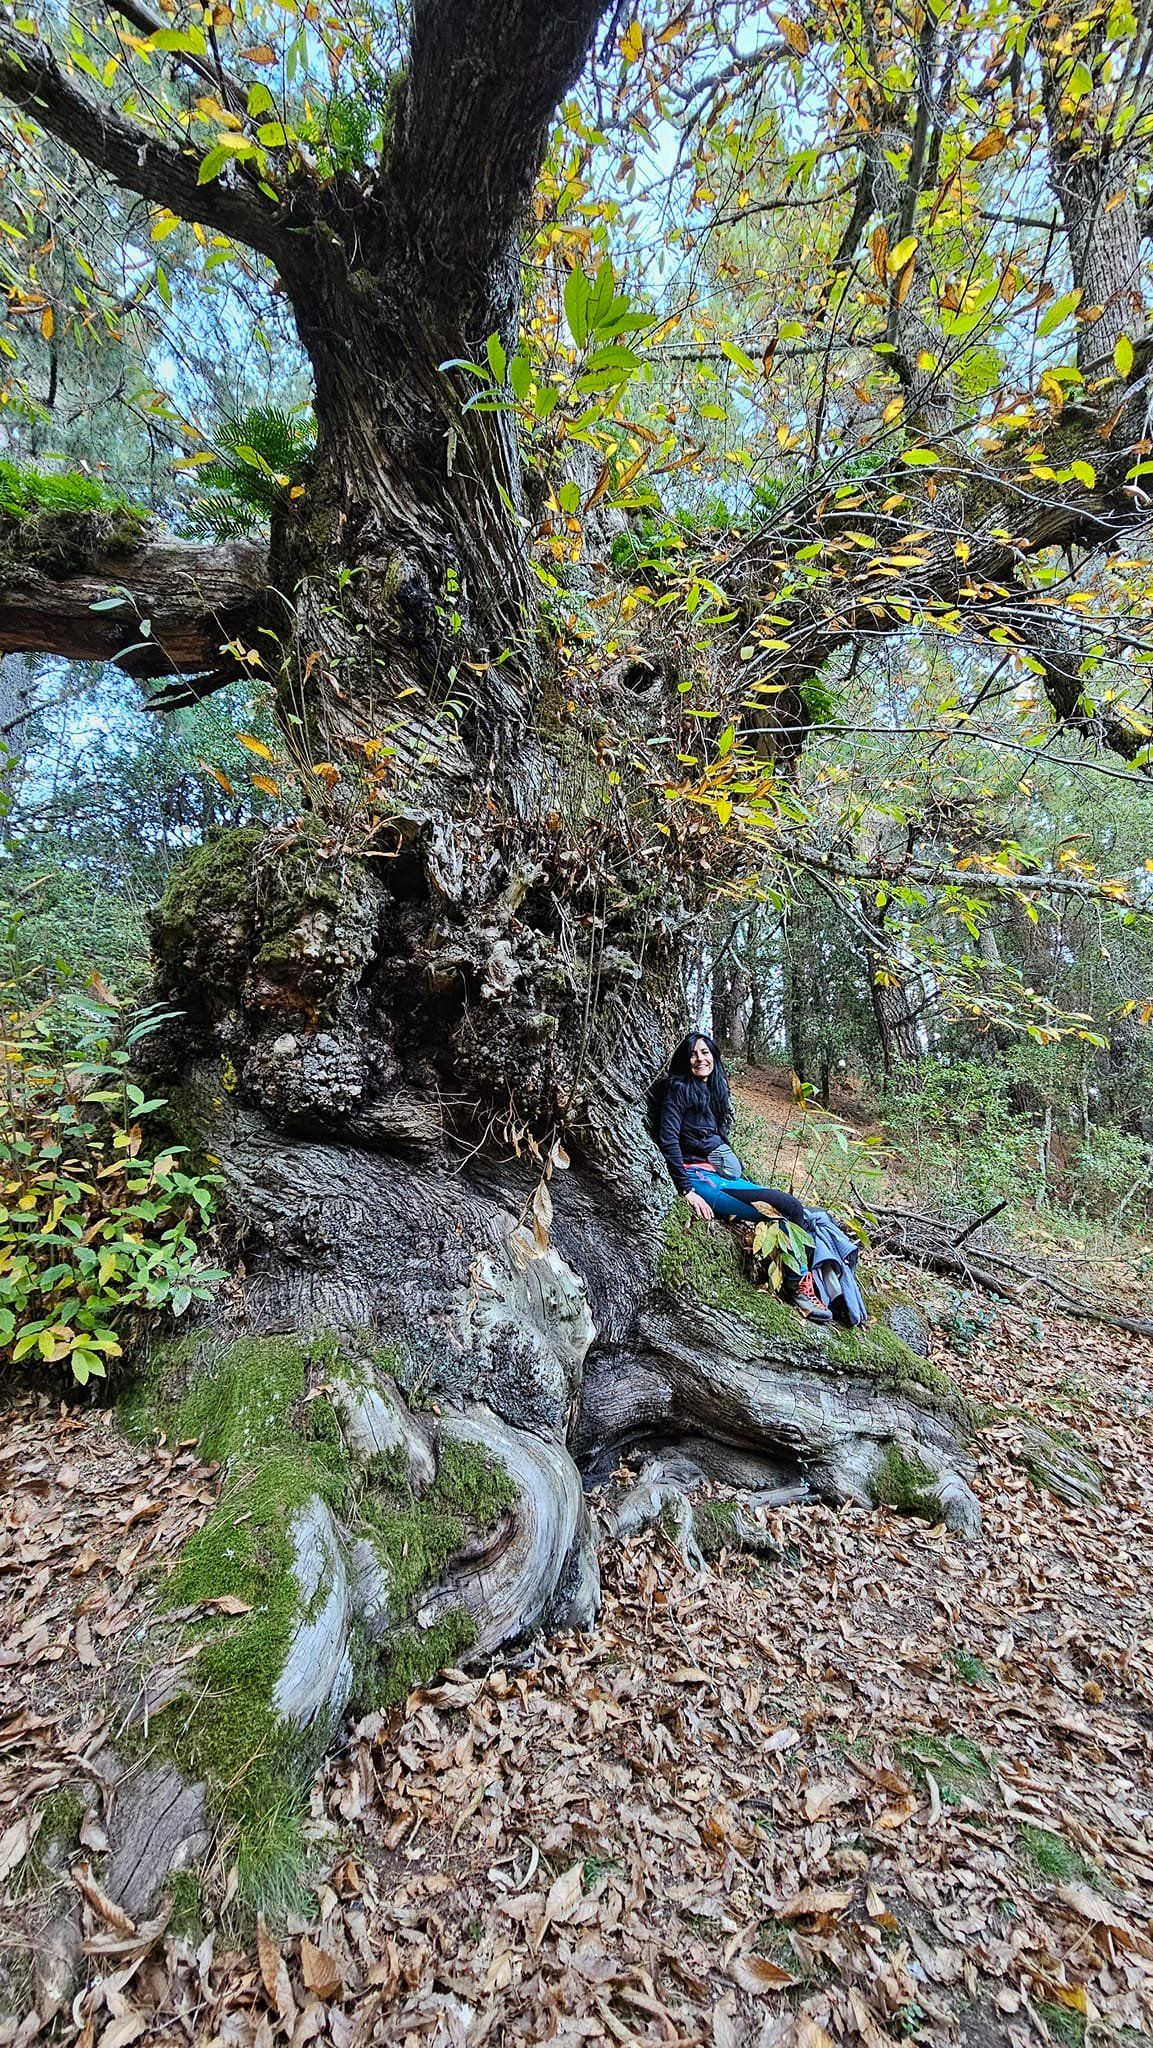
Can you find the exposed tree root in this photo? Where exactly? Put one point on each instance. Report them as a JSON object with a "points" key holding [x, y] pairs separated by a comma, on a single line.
{"points": [[410, 1493], [662, 1492]]}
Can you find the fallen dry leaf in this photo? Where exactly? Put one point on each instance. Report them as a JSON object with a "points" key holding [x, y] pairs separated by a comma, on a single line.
{"points": [[813, 1902], [320, 1970], [759, 1973], [105, 1908], [16, 1841], [565, 1894], [274, 1975]]}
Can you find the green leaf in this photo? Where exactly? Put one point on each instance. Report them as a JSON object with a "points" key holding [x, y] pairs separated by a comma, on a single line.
{"points": [[743, 362], [274, 135], [185, 42], [520, 376], [1058, 311], [919, 458], [601, 295], [497, 355], [1084, 473], [260, 100], [576, 298], [212, 165]]}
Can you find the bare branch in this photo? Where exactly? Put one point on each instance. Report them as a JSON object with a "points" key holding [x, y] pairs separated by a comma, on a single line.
{"points": [[974, 881]]}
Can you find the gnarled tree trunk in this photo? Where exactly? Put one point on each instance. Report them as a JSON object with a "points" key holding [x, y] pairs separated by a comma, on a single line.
{"points": [[416, 1027]]}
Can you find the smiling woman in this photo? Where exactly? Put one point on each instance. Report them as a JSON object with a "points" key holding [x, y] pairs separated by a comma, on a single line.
{"points": [[816, 1257]]}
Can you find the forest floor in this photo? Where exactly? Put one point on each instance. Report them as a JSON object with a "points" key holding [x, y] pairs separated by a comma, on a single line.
{"points": [[897, 1787]]}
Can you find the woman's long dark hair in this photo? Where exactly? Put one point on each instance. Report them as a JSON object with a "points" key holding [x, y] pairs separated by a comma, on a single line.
{"points": [[711, 1096]]}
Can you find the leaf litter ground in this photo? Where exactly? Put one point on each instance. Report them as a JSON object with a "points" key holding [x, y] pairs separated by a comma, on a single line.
{"points": [[897, 1787]]}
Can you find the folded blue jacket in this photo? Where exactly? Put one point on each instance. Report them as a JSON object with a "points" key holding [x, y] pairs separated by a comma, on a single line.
{"points": [[833, 1246]]}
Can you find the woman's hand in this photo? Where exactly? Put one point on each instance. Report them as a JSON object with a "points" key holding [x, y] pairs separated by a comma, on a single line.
{"points": [[699, 1206]]}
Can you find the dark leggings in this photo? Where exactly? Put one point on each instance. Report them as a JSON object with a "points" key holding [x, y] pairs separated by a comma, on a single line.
{"points": [[733, 1199]]}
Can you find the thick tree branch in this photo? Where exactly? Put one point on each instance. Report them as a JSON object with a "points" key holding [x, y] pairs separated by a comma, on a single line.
{"points": [[182, 611], [482, 86], [33, 81], [916, 572]]}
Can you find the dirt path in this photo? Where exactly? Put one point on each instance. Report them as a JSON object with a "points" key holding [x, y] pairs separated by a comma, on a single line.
{"points": [[896, 1788], [789, 1134]]}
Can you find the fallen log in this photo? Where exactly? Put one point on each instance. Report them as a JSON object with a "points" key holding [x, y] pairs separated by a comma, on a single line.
{"points": [[934, 1242]]}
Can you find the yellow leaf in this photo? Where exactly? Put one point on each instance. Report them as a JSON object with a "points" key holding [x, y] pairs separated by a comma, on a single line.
{"points": [[47, 323], [990, 145], [1084, 473], [1123, 355], [255, 746], [794, 35], [262, 54], [904, 252], [218, 775], [633, 42], [266, 783]]}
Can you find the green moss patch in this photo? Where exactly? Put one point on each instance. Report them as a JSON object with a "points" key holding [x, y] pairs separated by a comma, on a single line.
{"points": [[57, 1840], [217, 875], [416, 1539], [1050, 1856], [60, 523], [415, 1655], [903, 1481], [971, 1671], [301, 922], [186, 1919], [705, 1266], [261, 1409], [247, 1409], [1064, 2025], [714, 1523]]}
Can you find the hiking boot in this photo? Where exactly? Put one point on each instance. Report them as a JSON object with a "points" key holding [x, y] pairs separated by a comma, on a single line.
{"points": [[808, 1303]]}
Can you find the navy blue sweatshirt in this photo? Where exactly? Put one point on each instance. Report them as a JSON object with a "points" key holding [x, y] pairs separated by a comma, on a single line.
{"points": [[687, 1131]]}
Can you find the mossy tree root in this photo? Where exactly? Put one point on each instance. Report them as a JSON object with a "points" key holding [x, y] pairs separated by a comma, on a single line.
{"points": [[712, 1357], [357, 1547]]}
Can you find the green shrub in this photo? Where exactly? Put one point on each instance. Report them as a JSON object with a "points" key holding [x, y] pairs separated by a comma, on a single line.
{"points": [[100, 1219], [953, 1129], [1108, 1168]]}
